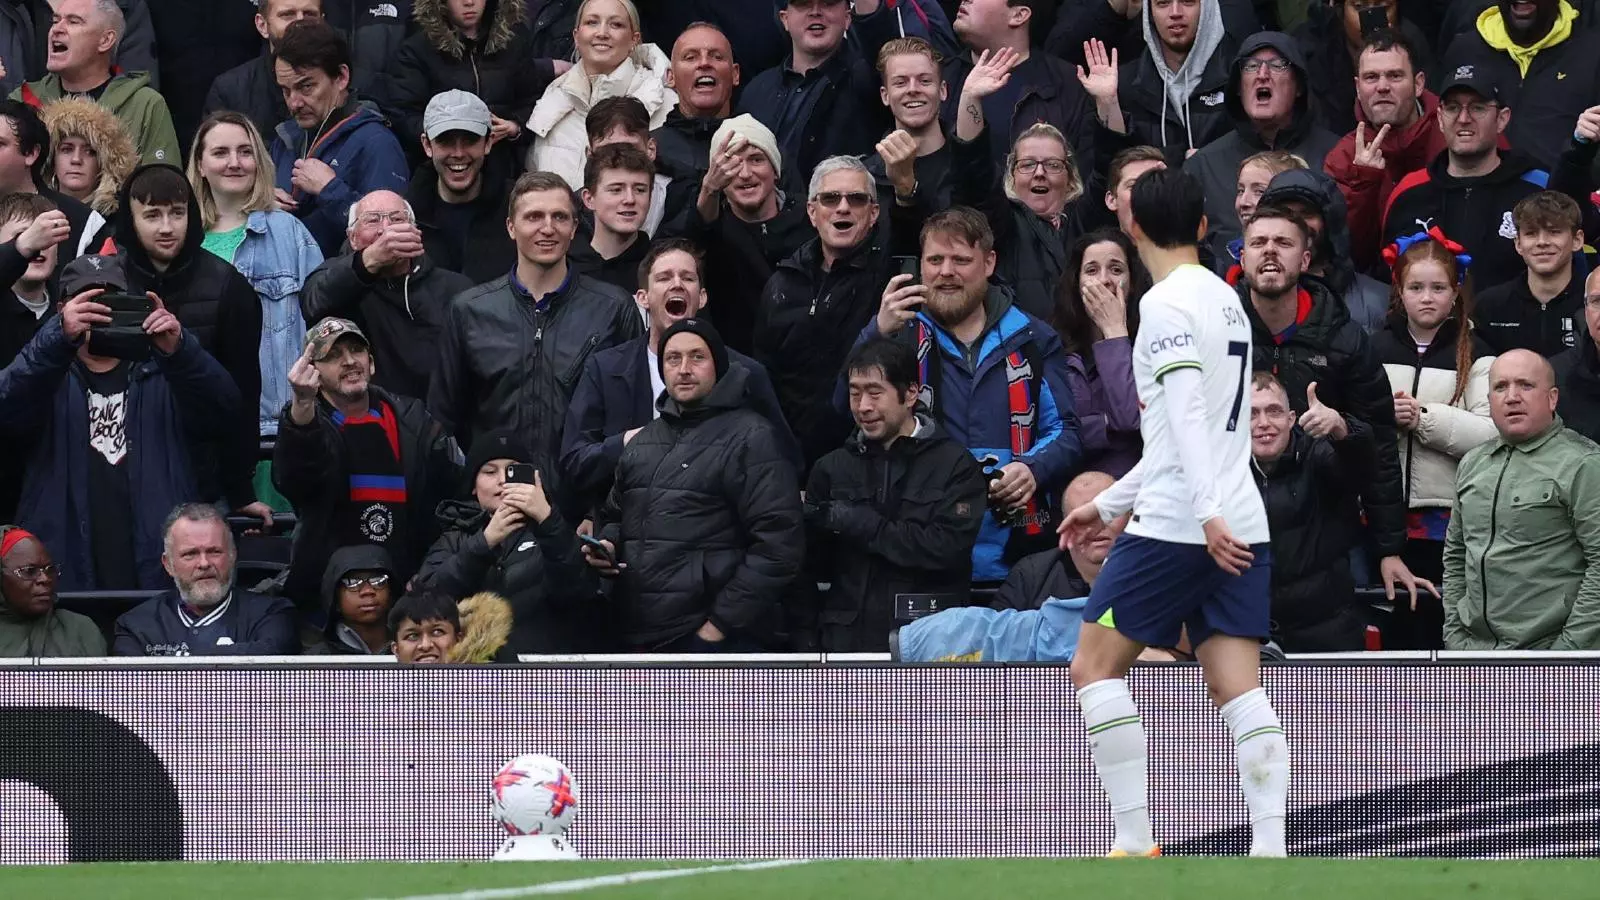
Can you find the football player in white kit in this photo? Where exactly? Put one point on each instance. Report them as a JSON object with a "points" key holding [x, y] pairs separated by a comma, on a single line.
{"points": [[1195, 555]]}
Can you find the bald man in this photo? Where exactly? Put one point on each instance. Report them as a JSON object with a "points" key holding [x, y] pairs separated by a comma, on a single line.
{"points": [[1578, 369], [1527, 516]]}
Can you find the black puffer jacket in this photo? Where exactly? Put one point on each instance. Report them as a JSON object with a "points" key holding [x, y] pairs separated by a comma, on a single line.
{"points": [[740, 257], [310, 468], [1366, 299], [375, 32], [218, 305], [554, 594], [1330, 349], [485, 251], [705, 512], [401, 317], [505, 364], [807, 322], [887, 522], [499, 67], [1312, 513]]}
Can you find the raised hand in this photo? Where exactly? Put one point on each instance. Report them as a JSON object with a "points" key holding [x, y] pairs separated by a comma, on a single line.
{"points": [[1369, 156], [83, 312], [990, 73], [1100, 80], [1106, 308], [45, 231], [901, 299], [1080, 526], [162, 327], [1321, 420], [899, 152]]}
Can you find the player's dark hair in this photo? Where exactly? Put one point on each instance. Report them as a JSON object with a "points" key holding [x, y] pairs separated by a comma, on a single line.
{"points": [[1129, 156], [896, 360], [160, 186], [627, 113], [1072, 320], [623, 157], [1168, 206], [31, 134], [664, 246], [1390, 39], [313, 44], [1280, 211], [420, 607]]}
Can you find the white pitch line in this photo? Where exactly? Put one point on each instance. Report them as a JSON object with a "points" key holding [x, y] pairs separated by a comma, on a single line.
{"points": [[603, 881]]}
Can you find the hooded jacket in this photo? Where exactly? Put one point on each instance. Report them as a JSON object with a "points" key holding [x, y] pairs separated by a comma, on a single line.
{"points": [[1216, 165], [401, 317], [1366, 191], [498, 67], [1329, 348], [375, 32], [357, 143], [560, 137], [1447, 430], [83, 118], [683, 145], [216, 304], [484, 251], [175, 405], [337, 638], [705, 512], [141, 108], [1315, 523], [1182, 110], [890, 520], [553, 595], [486, 621], [1366, 299], [1546, 98]]}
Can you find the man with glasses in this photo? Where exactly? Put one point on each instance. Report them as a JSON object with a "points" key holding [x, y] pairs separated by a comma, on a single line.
{"points": [[819, 299], [1471, 190], [390, 286], [360, 464], [30, 623]]}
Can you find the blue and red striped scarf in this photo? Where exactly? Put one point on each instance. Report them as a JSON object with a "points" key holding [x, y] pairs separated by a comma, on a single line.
{"points": [[377, 498]]}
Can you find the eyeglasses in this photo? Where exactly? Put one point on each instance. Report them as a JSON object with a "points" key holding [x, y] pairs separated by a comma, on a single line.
{"points": [[398, 217], [1252, 66], [1477, 109], [1054, 165], [354, 584], [856, 199], [32, 573]]}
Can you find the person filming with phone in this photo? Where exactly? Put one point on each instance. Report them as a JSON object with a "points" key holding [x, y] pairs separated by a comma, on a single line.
{"points": [[508, 539], [119, 396]]}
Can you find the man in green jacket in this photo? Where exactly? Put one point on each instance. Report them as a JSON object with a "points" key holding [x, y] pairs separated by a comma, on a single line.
{"points": [[30, 624], [1522, 553], [83, 40]]}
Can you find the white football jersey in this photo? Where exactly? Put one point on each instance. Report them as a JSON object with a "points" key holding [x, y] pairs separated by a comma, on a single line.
{"points": [[1193, 319]]}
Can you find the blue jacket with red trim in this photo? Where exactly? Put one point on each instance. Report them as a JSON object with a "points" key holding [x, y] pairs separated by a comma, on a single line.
{"points": [[364, 156], [973, 405]]}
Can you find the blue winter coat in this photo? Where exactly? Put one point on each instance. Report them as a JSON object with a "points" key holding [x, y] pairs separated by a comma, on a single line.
{"points": [[172, 402], [974, 634], [973, 406], [251, 625], [365, 157]]}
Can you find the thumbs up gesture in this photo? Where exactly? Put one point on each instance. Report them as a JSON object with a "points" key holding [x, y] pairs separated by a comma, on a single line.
{"points": [[1321, 420]]}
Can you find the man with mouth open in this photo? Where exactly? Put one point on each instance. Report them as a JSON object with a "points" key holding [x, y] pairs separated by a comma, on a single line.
{"points": [[1545, 63], [459, 193], [619, 392], [205, 614]]}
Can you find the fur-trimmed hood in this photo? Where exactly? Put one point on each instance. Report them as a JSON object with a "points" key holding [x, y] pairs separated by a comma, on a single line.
{"points": [[433, 18], [81, 117], [486, 623]]}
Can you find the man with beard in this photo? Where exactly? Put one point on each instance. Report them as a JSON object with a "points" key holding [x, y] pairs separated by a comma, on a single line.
{"points": [[993, 376], [1304, 336], [892, 515], [1271, 109], [389, 286], [818, 300], [620, 389], [912, 161], [1314, 197], [205, 615], [1470, 190], [746, 225], [360, 464], [459, 195], [703, 75], [1545, 65], [250, 88], [1171, 96], [1397, 133]]}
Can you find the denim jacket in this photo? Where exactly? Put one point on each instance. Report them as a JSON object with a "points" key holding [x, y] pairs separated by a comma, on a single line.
{"points": [[276, 256]]}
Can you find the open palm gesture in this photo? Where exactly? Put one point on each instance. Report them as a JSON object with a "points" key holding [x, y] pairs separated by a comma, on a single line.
{"points": [[991, 72], [1100, 81]]}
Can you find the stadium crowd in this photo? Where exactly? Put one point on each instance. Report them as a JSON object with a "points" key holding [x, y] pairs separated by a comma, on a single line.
{"points": [[570, 326]]}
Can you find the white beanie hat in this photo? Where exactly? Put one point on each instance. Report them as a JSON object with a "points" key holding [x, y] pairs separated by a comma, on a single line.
{"points": [[754, 133]]}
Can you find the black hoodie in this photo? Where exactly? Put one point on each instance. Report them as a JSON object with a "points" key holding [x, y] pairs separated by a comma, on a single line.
{"points": [[1217, 164], [215, 303], [356, 558]]}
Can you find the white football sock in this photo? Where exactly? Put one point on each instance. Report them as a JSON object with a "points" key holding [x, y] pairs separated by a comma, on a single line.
{"points": [[1263, 768], [1116, 739]]}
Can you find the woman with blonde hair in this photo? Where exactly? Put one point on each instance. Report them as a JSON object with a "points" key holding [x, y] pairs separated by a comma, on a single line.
{"points": [[233, 177], [611, 63], [91, 153]]}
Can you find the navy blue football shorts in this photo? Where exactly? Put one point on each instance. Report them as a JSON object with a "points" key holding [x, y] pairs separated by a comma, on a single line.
{"points": [[1151, 590]]}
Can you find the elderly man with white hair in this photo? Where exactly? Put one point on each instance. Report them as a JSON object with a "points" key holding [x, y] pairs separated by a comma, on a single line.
{"points": [[390, 285], [81, 50]]}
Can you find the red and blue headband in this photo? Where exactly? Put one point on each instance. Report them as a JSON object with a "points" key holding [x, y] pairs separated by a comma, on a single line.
{"points": [[1393, 252]]}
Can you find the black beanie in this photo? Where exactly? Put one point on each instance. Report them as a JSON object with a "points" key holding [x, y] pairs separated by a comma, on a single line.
{"points": [[707, 333], [505, 444]]}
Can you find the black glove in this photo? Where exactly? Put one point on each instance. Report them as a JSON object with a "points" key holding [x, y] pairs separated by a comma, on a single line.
{"points": [[816, 513]]}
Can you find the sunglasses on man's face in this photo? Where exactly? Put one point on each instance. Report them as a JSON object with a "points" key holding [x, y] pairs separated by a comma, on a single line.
{"points": [[354, 584], [856, 199]]}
